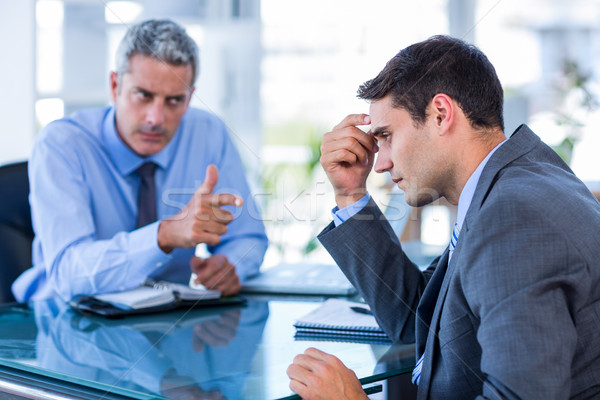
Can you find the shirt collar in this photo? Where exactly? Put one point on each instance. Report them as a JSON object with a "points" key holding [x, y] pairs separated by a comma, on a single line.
{"points": [[124, 158], [466, 196]]}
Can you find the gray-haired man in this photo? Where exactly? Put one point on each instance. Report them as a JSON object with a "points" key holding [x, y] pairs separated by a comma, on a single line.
{"points": [[87, 187]]}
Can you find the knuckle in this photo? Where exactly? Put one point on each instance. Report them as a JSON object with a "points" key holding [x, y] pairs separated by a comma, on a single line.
{"points": [[348, 142], [298, 358]]}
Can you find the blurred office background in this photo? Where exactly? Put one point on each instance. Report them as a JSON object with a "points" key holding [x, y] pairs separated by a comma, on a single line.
{"points": [[280, 73]]}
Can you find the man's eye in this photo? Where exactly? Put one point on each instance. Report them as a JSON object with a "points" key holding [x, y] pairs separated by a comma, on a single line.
{"points": [[174, 101], [383, 137], [143, 95]]}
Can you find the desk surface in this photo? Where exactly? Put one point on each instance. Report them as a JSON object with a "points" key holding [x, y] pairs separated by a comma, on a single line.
{"points": [[234, 353]]}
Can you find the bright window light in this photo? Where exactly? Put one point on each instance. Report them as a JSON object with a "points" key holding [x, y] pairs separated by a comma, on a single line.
{"points": [[49, 14], [435, 225], [122, 12], [196, 32], [48, 110]]}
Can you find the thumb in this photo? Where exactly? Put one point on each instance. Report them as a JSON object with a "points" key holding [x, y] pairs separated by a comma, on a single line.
{"points": [[210, 180]]}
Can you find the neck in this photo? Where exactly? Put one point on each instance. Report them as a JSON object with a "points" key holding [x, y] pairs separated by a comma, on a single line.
{"points": [[470, 152]]}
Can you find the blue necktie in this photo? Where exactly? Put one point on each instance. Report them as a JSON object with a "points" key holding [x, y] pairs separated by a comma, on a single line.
{"points": [[453, 240], [416, 374], [146, 195]]}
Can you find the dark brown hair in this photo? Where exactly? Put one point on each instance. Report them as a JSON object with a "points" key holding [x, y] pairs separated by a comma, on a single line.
{"points": [[441, 64]]}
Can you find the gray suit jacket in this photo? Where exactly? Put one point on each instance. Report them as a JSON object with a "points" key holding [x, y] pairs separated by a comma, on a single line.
{"points": [[516, 313]]}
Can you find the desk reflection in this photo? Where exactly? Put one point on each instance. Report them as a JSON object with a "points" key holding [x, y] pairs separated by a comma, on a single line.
{"points": [[198, 354]]}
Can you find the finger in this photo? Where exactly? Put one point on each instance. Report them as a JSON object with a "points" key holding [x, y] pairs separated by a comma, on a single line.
{"points": [[215, 200], [204, 231], [297, 372], [210, 180], [305, 361], [213, 214], [342, 156], [354, 120], [227, 282], [211, 238], [226, 199], [317, 354], [210, 266], [231, 288], [214, 281], [298, 387], [196, 263], [348, 138], [355, 137], [218, 273], [222, 216]]}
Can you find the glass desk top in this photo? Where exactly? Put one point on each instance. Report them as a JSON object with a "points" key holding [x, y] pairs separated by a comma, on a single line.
{"points": [[221, 353]]}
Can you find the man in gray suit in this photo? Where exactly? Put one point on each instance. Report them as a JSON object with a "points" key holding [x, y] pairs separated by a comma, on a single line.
{"points": [[511, 309]]}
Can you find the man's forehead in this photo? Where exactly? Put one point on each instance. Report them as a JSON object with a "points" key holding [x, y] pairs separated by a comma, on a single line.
{"points": [[167, 82], [381, 112], [145, 65]]}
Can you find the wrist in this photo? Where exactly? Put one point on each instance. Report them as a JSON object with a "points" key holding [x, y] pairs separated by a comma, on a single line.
{"points": [[344, 200], [162, 237]]}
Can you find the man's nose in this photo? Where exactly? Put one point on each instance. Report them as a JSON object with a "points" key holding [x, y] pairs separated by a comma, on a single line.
{"points": [[383, 162], [155, 114]]}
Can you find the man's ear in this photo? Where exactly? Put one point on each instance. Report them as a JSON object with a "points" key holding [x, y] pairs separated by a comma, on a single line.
{"points": [[114, 86], [442, 110]]}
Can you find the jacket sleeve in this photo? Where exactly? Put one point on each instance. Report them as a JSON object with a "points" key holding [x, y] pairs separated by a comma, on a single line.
{"points": [[369, 253]]}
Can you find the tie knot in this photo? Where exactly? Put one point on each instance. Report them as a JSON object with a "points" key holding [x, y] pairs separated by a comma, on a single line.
{"points": [[146, 170]]}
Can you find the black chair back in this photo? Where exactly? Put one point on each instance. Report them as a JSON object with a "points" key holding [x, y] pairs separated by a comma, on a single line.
{"points": [[16, 232]]}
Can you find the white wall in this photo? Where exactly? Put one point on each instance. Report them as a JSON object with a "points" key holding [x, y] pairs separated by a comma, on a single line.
{"points": [[17, 79]]}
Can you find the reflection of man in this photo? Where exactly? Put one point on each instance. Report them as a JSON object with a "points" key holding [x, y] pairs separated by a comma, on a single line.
{"points": [[92, 197], [153, 354], [511, 309]]}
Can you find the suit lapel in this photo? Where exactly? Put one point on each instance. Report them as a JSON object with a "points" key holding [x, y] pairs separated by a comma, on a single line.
{"points": [[436, 312], [427, 303], [521, 142], [424, 328]]}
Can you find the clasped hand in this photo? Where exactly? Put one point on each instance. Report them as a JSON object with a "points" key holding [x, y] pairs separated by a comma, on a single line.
{"points": [[316, 375]]}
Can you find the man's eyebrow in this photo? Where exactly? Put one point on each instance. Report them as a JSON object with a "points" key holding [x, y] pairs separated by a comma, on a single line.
{"points": [[170, 96], [141, 89]]}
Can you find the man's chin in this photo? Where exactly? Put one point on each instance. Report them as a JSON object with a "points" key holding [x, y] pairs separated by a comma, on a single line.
{"points": [[149, 149], [420, 199]]}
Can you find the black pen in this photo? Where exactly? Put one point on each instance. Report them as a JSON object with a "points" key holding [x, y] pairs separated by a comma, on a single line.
{"points": [[361, 310]]}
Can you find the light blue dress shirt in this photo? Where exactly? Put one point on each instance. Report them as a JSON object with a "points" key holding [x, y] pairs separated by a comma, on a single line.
{"points": [[84, 206], [344, 214]]}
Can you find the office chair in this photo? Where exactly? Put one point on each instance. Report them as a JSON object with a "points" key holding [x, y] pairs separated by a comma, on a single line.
{"points": [[16, 232]]}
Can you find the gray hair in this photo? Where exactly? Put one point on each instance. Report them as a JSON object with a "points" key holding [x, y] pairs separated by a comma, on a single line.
{"points": [[160, 39]]}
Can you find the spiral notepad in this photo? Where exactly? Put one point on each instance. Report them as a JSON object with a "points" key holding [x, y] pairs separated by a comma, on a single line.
{"points": [[336, 319]]}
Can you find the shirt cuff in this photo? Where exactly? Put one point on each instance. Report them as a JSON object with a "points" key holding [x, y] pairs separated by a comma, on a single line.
{"points": [[144, 247], [340, 216]]}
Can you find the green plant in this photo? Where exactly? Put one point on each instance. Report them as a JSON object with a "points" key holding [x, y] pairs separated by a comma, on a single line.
{"points": [[575, 98]]}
